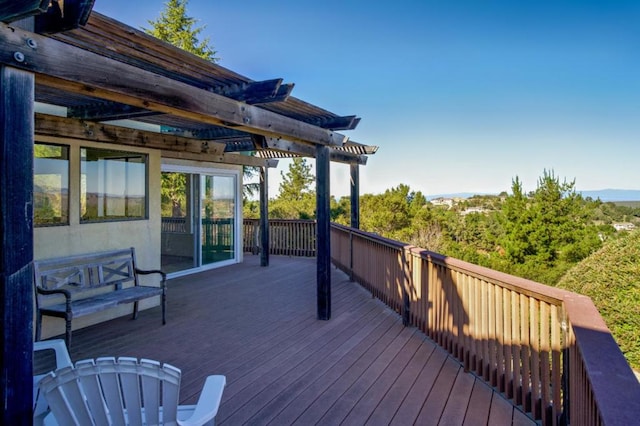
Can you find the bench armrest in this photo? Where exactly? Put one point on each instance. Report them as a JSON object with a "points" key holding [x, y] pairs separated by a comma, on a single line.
{"points": [[66, 293], [153, 271]]}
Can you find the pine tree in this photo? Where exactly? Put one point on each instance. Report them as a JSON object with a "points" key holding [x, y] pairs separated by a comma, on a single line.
{"points": [[297, 181], [175, 27]]}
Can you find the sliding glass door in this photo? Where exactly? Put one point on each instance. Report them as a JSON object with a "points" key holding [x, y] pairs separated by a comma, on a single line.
{"points": [[199, 219], [217, 215]]}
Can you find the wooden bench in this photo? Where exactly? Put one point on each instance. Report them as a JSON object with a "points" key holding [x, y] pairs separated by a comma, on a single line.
{"points": [[75, 286]]}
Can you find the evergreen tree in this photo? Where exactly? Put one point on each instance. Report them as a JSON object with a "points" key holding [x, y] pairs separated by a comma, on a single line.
{"points": [[297, 181], [548, 231], [296, 198], [175, 27]]}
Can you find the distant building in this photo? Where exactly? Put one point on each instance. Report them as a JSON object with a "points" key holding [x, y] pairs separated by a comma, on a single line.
{"points": [[470, 210], [624, 226], [441, 201]]}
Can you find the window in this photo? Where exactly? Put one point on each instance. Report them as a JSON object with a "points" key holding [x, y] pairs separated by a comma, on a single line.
{"points": [[51, 185], [113, 185]]}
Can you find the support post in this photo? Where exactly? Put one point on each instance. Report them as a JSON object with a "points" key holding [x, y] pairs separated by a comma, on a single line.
{"points": [[355, 196], [264, 216], [16, 256], [323, 239]]}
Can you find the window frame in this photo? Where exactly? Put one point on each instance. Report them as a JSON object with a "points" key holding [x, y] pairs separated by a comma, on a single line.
{"points": [[116, 154], [66, 149]]}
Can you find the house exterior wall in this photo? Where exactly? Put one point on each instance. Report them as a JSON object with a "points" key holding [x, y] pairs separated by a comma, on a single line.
{"points": [[77, 238], [144, 235]]}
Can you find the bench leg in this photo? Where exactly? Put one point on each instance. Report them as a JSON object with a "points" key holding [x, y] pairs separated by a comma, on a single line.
{"points": [[67, 334], [38, 326], [164, 307], [135, 310]]}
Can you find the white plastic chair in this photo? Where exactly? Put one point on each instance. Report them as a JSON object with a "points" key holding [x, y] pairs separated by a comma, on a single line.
{"points": [[62, 359], [126, 391]]}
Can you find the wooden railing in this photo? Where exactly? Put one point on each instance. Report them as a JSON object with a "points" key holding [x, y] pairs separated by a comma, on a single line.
{"points": [[286, 237], [174, 224], [545, 349]]}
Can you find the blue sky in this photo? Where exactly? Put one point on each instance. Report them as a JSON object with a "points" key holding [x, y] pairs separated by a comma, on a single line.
{"points": [[461, 96]]}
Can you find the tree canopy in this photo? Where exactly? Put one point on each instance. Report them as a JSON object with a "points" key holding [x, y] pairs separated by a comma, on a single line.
{"points": [[176, 27]]}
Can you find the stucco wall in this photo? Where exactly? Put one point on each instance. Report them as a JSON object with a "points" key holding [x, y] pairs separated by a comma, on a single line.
{"points": [[77, 238]]}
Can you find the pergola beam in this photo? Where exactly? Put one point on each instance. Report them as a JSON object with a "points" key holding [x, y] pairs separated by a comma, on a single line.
{"points": [[257, 92], [75, 70], [105, 111], [171, 146]]}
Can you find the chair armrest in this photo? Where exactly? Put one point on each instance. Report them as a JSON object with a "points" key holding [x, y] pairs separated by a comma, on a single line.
{"points": [[208, 402], [153, 271], [60, 349]]}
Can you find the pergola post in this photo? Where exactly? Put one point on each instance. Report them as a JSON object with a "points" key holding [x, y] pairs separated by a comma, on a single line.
{"points": [[16, 232], [264, 216], [355, 196], [323, 239]]}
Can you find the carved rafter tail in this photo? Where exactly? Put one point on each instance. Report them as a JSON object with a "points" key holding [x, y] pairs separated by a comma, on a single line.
{"points": [[11, 11], [348, 122], [258, 92], [75, 13]]}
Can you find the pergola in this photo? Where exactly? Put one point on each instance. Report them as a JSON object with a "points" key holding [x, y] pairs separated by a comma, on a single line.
{"points": [[101, 70]]}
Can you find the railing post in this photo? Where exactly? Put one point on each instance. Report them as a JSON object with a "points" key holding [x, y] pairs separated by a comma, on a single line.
{"points": [[264, 216], [350, 255], [565, 415], [406, 301]]}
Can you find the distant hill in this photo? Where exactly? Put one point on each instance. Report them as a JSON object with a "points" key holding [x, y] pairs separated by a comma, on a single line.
{"points": [[453, 195], [607, 195], [611, 278]]}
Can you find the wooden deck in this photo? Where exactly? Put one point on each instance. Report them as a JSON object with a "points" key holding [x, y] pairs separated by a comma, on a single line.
{"points": [[258, 327]]}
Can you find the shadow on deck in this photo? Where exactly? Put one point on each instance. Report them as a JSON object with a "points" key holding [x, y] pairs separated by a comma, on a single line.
{"points": [[258, 327]]}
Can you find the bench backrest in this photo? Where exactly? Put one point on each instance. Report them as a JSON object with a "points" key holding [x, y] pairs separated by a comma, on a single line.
{"points": [[86, 271], [110, 391]]}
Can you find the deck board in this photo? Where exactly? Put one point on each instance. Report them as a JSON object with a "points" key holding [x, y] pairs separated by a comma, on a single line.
{"points": [[479, 405], [258, 327]]}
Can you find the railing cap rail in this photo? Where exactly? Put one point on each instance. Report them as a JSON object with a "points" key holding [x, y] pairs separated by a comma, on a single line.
{"points": [[615, 388]]}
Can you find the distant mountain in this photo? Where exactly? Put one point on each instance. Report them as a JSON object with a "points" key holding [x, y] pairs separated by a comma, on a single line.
{"points": [[613, 194]]}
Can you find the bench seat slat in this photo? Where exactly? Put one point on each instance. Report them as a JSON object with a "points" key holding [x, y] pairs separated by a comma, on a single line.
{"points": [[104, 301]]}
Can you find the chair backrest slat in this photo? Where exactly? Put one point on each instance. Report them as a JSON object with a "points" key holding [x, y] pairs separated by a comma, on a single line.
{"points": [[130, 380], [107, 371], [151, 390], [92, 391], [64, 391], [170, 392]]}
